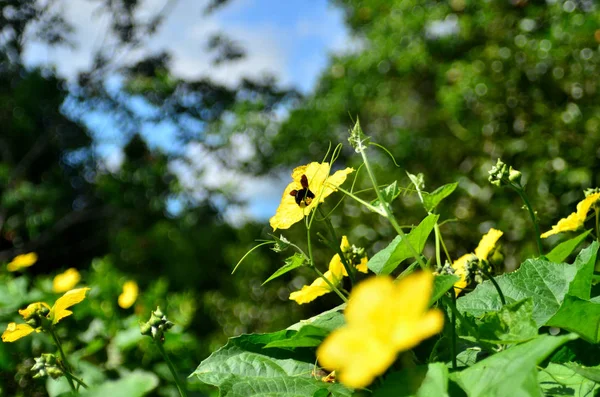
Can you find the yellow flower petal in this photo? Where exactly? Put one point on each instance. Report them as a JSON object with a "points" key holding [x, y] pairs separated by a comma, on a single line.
{"points": [[32, 309], [319, 287], [362, 267], [70, 298], [460, 270], [129, 295], [16, 331], [22, 261], [66, 281], [345, 244], [320, 183], [487, 243], [576, 219], [382, 318], [357, 358]]}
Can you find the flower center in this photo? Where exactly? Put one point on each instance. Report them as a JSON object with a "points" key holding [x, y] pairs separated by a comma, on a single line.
{"points": [[303, 196]]}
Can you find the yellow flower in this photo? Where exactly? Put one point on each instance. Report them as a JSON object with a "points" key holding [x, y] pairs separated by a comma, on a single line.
{"points": [[129, 294], [335, 274], [576, 219], [22, 261], [66, 281], [483, 250], [37, 310], [383, 318], [311, 184]]}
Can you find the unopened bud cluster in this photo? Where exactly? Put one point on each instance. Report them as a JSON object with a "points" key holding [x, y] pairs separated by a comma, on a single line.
{"points": [[503, 174], [47, 365], [156, 326]]}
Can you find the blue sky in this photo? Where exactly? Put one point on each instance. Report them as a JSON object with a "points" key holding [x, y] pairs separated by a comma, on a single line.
{"points": [[289, 39]]}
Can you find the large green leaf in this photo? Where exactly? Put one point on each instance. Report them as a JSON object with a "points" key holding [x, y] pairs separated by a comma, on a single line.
{"points": [[422, 381], [564, 249], [546, 283], [329, 320], [580, 316], [307, 336], [244, 368], [442, 284], [511, 372], [431, 200], [511, 324], [386, 260], [563, 380]]}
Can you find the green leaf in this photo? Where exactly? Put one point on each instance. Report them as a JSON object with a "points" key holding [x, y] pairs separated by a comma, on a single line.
{"points": [[511, 372], [564, 249], [591, 373], [311, 332], [308, 336], [243, 368], [328, 320], [580, 316], [291, 263], [512, 324], [586, 260], [386, 260], [134, 384], [552, 281], [431, 200], [442, 284], [564, 380], [422, 381], [389, 194]]}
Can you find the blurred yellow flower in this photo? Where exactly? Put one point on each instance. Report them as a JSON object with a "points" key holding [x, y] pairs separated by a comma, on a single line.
{"points": [[38, 310], [66, 281], [334, 275], [483, 250], [383, 318], [311, 184], [129, 294], [576, 219], [22, 261]]}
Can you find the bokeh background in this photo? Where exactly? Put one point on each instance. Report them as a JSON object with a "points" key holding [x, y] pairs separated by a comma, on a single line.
{"points": [[151, 140]]}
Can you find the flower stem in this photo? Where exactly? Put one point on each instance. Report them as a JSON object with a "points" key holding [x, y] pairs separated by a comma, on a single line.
{"points": [[597, 216], [536, 227], [64, 359], [498, 289], [388, 211], [181, 389], [453, 329]]}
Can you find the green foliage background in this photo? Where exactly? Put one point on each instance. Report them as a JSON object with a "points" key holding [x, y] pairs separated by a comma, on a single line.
{"points": [[446, 86]]}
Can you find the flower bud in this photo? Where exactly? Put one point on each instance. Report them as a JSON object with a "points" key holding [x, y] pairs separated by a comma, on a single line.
{"points": [[156, 326], [47, 365]]}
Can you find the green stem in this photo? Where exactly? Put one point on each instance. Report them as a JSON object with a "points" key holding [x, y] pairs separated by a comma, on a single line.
{"points": [[388, 212], [363, 202], [523, 195], [64, 359], [80, 381], [453, 344], [181, 389], [349, 269], [491, 278], [597, 216], [438, 255], [249, 252]]}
